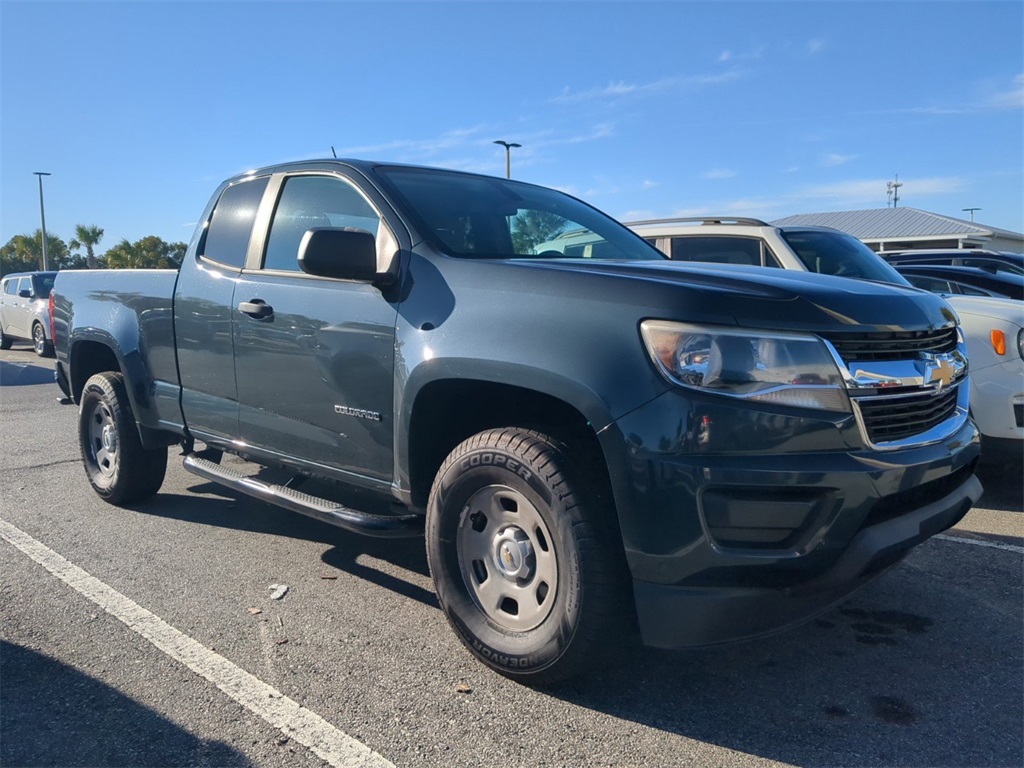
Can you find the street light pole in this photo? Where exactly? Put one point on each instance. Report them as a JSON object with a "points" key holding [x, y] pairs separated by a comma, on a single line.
{"points": [[508, 156], [42, 215], [972, 210]]}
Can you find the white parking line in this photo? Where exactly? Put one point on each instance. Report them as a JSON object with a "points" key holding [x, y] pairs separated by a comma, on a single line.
{"points": [[979, 543], [298, 723]]}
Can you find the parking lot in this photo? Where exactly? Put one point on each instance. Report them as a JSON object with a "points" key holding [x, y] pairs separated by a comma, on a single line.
{"points": [[150, 637]]}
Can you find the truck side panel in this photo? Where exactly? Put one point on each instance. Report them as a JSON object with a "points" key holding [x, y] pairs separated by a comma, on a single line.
{"points": [[132, 326]]}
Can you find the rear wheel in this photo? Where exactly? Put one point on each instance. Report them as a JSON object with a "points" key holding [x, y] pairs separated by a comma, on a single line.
{"points": [[524, 566], [42, 347], [5, 340], [119, 469]]}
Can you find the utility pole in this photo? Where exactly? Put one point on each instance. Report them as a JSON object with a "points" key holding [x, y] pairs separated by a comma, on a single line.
{"points": [[972, 210], [892, 191], [42, 215], [508, 160]]}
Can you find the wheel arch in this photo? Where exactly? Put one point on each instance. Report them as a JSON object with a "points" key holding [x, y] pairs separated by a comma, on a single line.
{"points": [[92, 354], [445, 411]]}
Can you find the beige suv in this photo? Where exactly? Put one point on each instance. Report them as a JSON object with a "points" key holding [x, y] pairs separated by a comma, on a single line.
{"points": [[753, 242], [24, 300]]}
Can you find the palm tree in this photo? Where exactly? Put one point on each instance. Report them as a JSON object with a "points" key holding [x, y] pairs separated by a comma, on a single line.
{"points": [[87, 236]]}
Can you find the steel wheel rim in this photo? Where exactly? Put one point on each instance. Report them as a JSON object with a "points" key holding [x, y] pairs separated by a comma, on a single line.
{"points": [[507, 558], [103, 440], [38, 338]]}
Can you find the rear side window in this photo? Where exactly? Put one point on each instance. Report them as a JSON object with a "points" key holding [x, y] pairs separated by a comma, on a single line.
{"points": [[11, 287], [722, 250], [227, 238]]}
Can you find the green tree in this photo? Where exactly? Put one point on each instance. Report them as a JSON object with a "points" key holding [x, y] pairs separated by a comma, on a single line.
{"points": [[87, 237], [24, 253], [150, 252], [531, 228]]}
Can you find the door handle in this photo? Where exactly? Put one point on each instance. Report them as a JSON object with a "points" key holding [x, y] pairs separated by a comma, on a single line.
{"points": [[257, 308]]}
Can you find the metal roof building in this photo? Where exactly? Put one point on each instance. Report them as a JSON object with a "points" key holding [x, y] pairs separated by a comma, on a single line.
{"points": [[892, 229]]}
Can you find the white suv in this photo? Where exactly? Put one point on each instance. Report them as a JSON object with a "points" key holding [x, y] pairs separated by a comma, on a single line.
{"points": [[756, 243], [993, 328], [24, 303]]}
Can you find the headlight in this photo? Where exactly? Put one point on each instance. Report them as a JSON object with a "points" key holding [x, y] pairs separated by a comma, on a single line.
{"points": [[1020, 343], [787, 369]]}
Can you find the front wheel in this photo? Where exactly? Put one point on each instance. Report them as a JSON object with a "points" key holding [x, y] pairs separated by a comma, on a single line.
{"points": [[119, 469], [42, 347], [524, 566], [5, 340]]}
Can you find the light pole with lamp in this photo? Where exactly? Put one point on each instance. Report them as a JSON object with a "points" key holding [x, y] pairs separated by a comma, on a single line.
{"points": [[508, 156], [42, 215]]}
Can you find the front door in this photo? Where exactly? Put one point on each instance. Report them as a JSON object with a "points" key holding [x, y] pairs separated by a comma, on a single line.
{"points": [[314, 357]]}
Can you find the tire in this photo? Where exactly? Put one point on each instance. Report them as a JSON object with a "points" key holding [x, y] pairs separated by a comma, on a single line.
{"points": [[525, 568], [5, 340], [42, 347], [119, 469]]}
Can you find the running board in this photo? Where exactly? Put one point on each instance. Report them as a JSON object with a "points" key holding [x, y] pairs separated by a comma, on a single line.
{"points": [[382, 526]]}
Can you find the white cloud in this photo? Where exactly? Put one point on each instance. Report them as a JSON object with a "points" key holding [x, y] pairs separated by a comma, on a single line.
{"points": [[815, 46], [620, 89], [725, 56], [719, 173], [834, 159], [1010, 99], [648, 184], [871, 192]]}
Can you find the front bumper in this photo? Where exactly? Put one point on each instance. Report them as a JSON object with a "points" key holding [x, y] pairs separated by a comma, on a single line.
{"points": [[997, 400], [674, 616], [736, 543]]}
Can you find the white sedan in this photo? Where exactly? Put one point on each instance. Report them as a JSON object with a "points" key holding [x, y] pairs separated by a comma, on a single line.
{"points": [[994, 331]]}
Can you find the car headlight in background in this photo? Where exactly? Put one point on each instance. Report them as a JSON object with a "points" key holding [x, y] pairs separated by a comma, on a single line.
{"points": [[780, 368], [1020, 343]]}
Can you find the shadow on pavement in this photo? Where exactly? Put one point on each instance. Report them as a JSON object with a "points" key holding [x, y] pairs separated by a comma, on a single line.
{"points": [[22, 374], [52, 714], [1004, 486]]}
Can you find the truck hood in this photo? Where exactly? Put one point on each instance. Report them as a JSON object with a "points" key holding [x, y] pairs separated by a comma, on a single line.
{"points": [[760, 297]]}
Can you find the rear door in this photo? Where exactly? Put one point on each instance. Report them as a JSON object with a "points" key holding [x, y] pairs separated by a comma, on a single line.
{"points": [[17, 307], [314, 357], [203, 310]]}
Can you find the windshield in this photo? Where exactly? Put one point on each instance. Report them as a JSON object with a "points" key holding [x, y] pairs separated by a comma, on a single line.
{"points": [[837, 253], [480, 217]]}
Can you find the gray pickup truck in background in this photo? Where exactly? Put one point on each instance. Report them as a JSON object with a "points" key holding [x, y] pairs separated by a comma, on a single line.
{"points": [[591, 441]]}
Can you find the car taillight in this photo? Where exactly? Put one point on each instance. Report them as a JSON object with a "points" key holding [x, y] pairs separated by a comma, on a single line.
{"points": [[49, 312]]}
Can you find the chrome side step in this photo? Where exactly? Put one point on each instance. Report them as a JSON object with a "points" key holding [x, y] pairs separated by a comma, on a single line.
{"points": [[382, 526]]}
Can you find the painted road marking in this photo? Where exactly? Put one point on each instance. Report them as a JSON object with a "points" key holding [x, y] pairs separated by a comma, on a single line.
{"points": [[295, 721], [979, 543]]}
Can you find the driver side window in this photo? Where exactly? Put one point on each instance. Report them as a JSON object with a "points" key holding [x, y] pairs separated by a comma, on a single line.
{"points": [[313, 201]]}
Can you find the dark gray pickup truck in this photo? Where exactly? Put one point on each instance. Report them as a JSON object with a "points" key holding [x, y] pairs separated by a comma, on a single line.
{"points": [[594, 439]]}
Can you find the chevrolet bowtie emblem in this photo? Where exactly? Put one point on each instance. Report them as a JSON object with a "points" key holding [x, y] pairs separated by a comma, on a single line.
{"points": [[942, 372]]}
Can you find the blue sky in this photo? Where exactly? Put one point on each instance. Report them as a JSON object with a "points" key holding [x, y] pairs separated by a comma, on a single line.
{"points": [[645, 110]]}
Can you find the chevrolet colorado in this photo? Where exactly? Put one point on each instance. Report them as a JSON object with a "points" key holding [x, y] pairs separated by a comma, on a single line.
{"points": [[591, 441]]}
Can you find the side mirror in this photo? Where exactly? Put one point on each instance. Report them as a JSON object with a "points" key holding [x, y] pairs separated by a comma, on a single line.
{"points": [[25, 294], [346, 254]]}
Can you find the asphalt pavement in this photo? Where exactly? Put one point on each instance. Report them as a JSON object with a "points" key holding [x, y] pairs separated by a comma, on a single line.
{"points": [[150, 637]]}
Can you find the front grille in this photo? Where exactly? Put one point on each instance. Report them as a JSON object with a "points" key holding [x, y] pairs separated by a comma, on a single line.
{"points": [[897, 345], [894, 418]]}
